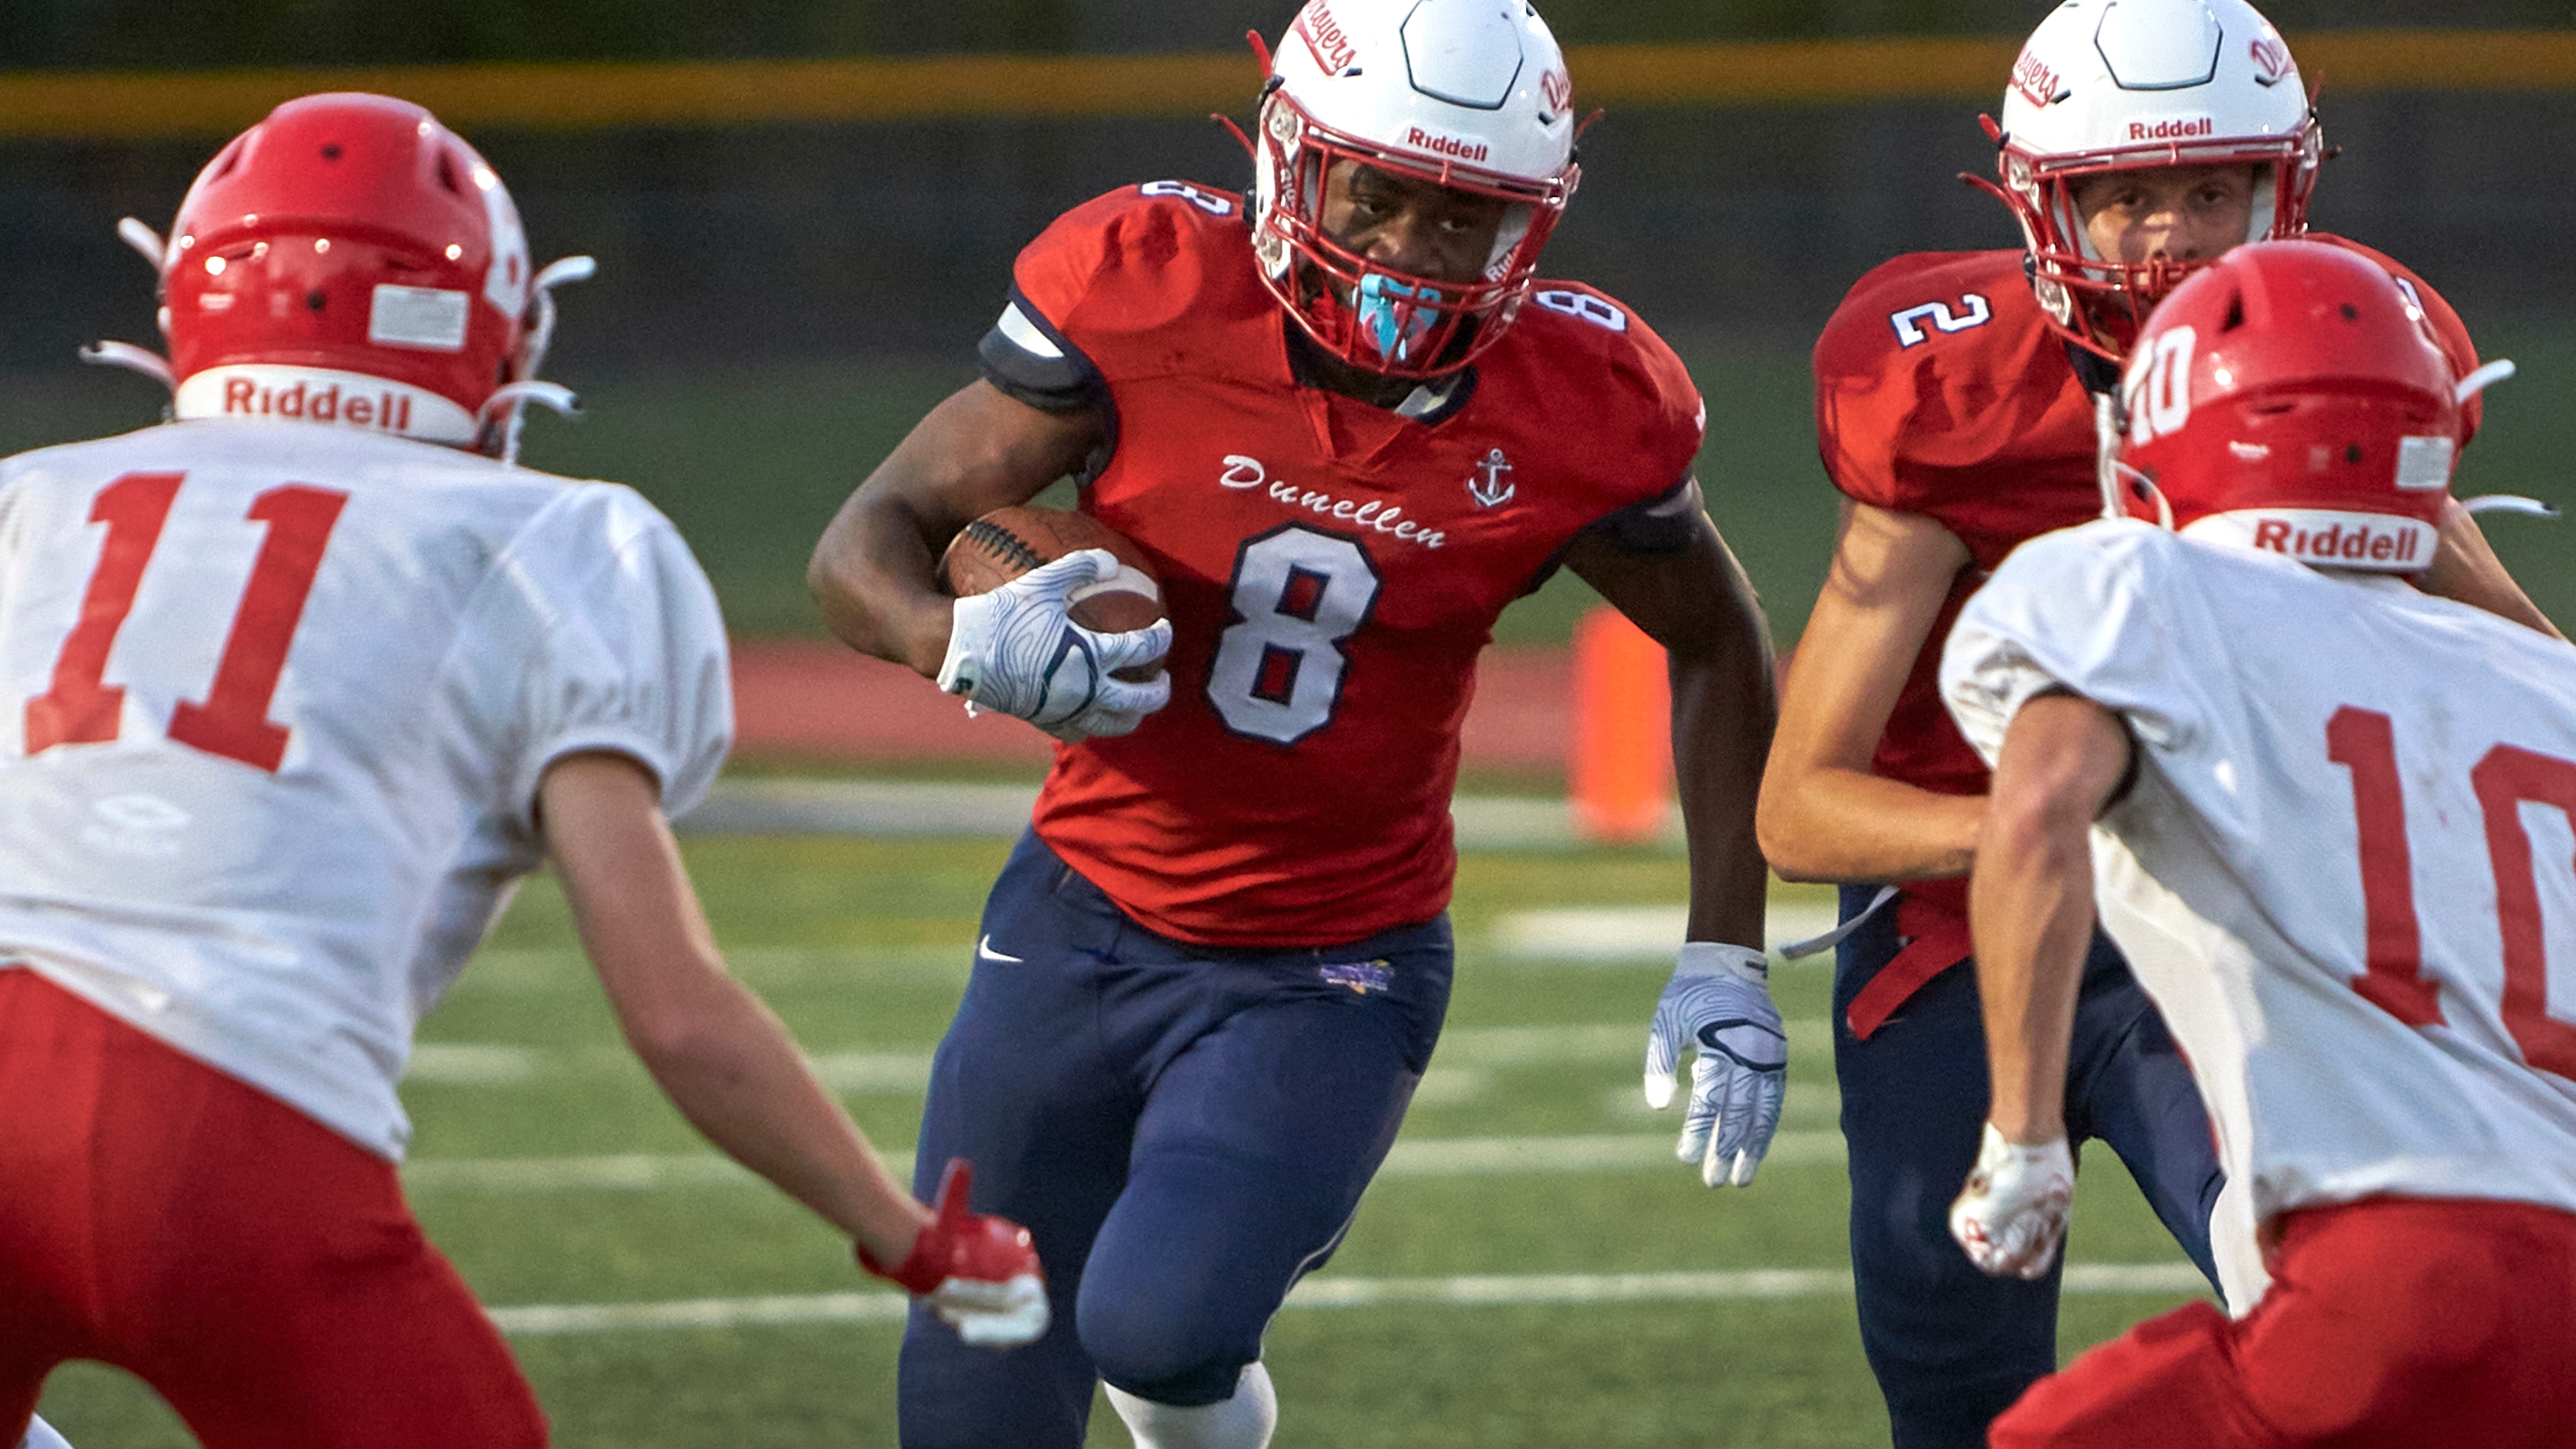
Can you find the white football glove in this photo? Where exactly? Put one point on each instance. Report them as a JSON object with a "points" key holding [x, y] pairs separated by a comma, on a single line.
{"points": [[1719, 1005], [1013, 651], [993, 1315], [2012, 1214]]}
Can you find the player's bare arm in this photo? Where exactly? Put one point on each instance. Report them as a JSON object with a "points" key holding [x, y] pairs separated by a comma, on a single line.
{"points": [[977, 451], [2030, 900], [1823, 815], [724, 1059], [1698, 603], [2030, 904]]}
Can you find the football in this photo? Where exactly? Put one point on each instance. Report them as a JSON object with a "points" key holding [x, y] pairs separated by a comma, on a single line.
{"points": [[1008, 542]]}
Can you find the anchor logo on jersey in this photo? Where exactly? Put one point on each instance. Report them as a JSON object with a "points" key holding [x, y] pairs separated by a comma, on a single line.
{"points": [[1488, 487]]}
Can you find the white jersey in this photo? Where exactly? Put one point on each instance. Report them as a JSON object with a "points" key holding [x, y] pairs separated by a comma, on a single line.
{"points": [[274, 703], [2344, 871]]}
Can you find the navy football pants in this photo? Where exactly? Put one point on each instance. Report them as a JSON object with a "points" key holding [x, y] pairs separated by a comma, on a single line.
{"points": [[1953, 1348], [1184, 1131]]}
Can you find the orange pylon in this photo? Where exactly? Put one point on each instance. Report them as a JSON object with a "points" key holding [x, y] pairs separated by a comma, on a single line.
{"points": [[1619, 765]]}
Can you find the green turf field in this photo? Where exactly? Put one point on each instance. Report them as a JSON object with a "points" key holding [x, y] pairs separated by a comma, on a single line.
{"points": [[551, 1171]]}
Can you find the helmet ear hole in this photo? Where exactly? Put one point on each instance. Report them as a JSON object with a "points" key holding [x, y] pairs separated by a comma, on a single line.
{"points": [[2235, 317]]}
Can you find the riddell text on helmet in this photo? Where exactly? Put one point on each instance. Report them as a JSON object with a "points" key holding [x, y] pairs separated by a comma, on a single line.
{"points": [[1452, 146], [389, 409], [2177, 128], [2337, 543]]}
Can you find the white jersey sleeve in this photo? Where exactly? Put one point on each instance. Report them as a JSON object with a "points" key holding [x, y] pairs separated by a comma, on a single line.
{"points": [[274, 703], [2347, 871], [598, 632]]}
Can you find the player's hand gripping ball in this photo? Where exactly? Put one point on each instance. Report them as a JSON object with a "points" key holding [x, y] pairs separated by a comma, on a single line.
{"points": [[1058, 621], [979, 1273]]}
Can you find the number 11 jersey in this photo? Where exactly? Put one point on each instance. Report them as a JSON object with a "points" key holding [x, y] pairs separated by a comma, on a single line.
{"points": [[2347, 869], [1331, 569], [275, 698]]}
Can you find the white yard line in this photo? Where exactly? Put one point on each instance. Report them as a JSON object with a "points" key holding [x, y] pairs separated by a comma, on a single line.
{"points": [[487, 1064], [1646, 935], [1412, 1157], [1327, 1291], [896, 809]]}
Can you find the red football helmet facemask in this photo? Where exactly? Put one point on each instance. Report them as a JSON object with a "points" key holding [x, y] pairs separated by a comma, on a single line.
{"points": [[2290, 397], [349, 260]]}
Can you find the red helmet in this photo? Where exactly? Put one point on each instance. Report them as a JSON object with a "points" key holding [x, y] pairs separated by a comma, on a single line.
{"points": [[1470, 96], [2290, 397], [348, 260]]}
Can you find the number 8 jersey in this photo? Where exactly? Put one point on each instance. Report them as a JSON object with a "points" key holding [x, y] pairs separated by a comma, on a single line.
{"points": [[1331, 569], [278, 696], [2347, 869]]}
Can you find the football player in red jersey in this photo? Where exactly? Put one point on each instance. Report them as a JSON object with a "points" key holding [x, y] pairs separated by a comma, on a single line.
{"points": [[1349, 428], [1955, 403], [298, 686]]}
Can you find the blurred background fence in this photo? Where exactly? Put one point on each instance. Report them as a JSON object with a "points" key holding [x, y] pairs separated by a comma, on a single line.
{"points": [[805, 212]]}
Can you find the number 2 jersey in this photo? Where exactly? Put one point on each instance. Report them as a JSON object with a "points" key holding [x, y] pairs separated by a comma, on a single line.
{"points": [[278, 696], [1331, 569], [1942, 392], [2346, 870]]}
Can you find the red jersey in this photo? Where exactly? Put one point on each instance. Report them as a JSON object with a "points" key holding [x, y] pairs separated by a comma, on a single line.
{"points": [[1941, 391], [1331, 569]]}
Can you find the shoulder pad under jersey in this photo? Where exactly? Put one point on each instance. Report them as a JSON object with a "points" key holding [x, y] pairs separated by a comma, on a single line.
{"points": [[1930, 350]]}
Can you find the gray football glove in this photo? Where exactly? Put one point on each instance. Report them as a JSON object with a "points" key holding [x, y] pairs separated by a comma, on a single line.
{"points": [[1719, 1005], [1014, 651]]}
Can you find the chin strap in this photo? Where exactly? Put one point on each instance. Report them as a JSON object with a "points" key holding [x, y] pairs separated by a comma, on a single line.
{"points": [[145, 240], [2513, 503], [2470, 386], [505, 407], [147, 243], [133, 359], [2106, 453], [2482, 379]]}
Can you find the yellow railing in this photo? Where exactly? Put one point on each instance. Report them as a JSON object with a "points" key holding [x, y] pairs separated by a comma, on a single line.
{"points": [[955, 87]]}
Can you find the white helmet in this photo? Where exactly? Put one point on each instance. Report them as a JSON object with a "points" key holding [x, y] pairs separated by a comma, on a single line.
{"points": [[2115, 85], [1472, 95]]}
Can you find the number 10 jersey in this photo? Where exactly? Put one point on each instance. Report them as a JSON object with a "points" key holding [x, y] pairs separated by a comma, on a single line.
{"points": [[2347, 870], [275, 698], [1331, 569]]}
